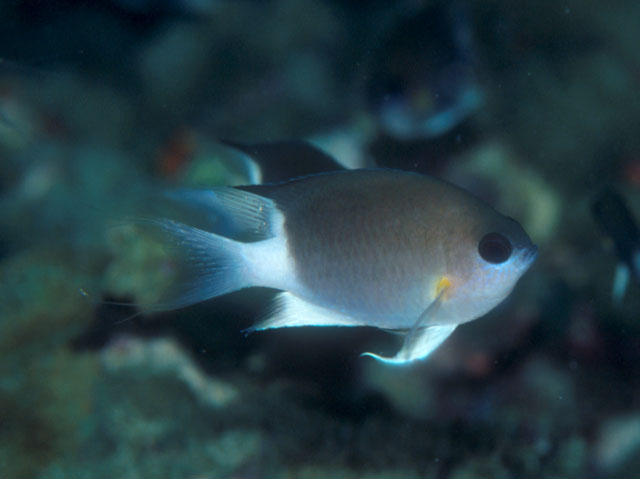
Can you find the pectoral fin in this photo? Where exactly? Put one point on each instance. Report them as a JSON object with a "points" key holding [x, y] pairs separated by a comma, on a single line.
{"points": [[421, 339]]}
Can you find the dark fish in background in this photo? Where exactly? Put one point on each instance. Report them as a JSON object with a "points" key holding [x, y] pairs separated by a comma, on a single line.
{"points": [[270, 162], [283, 160], [384, 248], [422, 76], [614, 218]]}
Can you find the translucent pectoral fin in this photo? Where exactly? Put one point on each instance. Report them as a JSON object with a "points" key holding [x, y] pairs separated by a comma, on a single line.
{"points": [[418, 345]]}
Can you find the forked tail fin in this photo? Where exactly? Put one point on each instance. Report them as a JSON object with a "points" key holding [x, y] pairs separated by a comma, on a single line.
{"points": [[200, 265]]}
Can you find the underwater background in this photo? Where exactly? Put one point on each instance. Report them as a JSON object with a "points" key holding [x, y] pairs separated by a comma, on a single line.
{"points": [[533, 106]]}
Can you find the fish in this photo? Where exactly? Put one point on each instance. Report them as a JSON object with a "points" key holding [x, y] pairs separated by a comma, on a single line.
{"points": [[281, 160], [611, 213], [424, 72], [382, 248]]}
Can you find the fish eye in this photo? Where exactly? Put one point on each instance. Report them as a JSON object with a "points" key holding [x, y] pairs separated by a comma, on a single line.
{"points": [[494, 248]]}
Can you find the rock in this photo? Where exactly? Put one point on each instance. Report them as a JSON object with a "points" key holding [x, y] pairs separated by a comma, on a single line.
{"points": [[164, 356]]}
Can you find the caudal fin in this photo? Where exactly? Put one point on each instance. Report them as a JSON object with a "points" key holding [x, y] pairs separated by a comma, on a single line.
{"points": [[200, 265]]}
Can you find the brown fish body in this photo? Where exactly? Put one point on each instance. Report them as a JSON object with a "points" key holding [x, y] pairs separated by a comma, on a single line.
{"points": [[382, 248], [373, 243]]}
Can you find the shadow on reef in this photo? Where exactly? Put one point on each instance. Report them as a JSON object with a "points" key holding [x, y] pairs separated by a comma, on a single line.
{"points": [[327, 365]]}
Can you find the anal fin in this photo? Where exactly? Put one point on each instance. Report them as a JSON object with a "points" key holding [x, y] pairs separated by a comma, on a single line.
{"points": [[290, 310]]}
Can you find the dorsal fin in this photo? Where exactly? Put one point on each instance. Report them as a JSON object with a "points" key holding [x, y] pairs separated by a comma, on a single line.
{"points": [[282, 160]]}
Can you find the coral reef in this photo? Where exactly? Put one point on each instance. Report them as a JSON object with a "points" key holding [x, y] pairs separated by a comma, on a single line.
{"points": [[104, 104]]}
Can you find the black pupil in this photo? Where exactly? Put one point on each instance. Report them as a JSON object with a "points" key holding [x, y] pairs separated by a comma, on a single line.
{"points": [[494, 248]]}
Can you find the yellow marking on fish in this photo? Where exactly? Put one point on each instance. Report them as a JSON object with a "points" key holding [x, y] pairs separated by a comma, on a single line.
{"points": [[443, 285]]}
